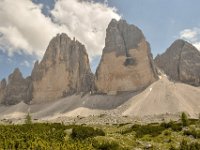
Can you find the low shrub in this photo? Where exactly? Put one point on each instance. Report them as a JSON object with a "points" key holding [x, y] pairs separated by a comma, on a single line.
{"points": [[175, 126], [32, 136], [83, 132], [193, 121], [184, 145], [106, 145], [152, 130], [126, 130], [195, 133], [167, 133]]}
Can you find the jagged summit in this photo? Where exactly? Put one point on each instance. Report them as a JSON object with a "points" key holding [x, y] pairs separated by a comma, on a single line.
{"points": [[181, 62], [64, 70], [126, 63], [16, 90], [127, 37], [57, 47], [62, 79]]}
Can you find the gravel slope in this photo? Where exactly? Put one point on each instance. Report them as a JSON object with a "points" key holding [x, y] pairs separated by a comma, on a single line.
{"points": [[165, 97]]}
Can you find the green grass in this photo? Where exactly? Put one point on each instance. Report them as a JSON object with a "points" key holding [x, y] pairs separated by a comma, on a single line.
{"points": [[56, 136], [83, 132]]}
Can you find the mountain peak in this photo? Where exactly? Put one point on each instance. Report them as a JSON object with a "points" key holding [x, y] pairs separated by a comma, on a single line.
{"points": [[16, 90], [125, 55], [64, 70], [120, 37], [16, 75], [181, 62]]}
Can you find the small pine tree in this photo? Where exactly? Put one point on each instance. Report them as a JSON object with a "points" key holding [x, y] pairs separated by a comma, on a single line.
{"points": [[199, 117], [28, 119], [184, 119]]}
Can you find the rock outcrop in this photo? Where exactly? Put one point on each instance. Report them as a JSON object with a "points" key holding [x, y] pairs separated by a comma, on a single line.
{"points": [[16, 90], [181, 62], [2, 89], [64, 70], [126, 63]]}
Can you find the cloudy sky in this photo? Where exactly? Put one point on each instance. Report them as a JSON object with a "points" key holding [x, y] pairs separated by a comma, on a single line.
{"points": [[26, 26]]}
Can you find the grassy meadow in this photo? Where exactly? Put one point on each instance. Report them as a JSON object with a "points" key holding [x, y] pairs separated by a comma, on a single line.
{"points": [[180, 135]]}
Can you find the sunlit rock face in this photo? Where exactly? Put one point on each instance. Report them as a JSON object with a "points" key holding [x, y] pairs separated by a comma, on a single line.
{"points": [[126, 63], [64, 70], [181, 62]]}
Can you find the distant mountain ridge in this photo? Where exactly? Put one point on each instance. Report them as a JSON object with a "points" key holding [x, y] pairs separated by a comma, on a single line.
{"points": [[126, 66], [64, 69]]}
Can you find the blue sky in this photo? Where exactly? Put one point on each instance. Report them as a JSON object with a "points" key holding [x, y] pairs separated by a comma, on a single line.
{"points": [[162, 22]]}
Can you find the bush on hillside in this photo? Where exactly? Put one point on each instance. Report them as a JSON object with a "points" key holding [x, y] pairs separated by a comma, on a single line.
{"points": [[184, 145], [152, 130], [106, 145], [83, 132], [195, 133], [175, 126]]}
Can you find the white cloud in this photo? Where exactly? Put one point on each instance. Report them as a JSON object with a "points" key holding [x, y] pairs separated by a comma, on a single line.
{"points": [[87, 21], [25, 63], [197, 45], [24, 29], [189, 34], [192, 36]]}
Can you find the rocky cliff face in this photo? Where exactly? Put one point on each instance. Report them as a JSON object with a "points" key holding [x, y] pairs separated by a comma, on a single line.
{"points": [[64, 70], [181, 62], [2, 89], [126, 63], [16, 90]]}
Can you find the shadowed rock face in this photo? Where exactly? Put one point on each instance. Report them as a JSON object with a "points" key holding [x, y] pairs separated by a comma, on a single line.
{"points": [[2, 89], [64, 70], [126, 63], [181, 62], [18, 89]]}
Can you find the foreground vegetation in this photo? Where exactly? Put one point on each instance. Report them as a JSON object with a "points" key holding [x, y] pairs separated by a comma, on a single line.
{"points": [[180, 135]]}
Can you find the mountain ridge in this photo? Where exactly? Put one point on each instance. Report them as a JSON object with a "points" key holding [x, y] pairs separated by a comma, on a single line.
{"points": [[128, 83]]}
